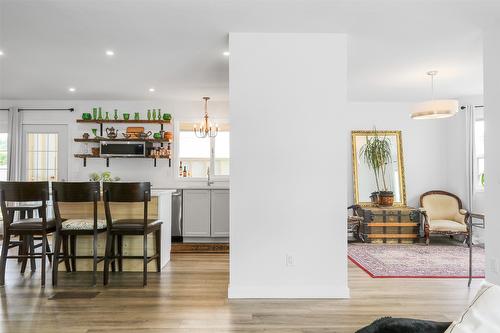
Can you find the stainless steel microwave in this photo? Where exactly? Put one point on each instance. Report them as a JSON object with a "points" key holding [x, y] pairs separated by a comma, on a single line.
{"points": [[123, 149]]}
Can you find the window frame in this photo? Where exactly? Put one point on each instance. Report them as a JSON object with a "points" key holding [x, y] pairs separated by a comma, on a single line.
{"points": [[177, 158], [478, 188]]}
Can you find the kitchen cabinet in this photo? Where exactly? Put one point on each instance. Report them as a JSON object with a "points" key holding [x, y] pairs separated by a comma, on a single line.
{"points": [[219, 213], [196, 213], [205, 214]]}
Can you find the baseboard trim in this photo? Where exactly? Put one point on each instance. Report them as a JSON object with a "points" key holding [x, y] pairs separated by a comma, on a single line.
{"points": [[324, 291]]}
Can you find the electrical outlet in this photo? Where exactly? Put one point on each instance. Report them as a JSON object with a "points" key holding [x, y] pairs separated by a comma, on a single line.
{"points": [[289, 261]]}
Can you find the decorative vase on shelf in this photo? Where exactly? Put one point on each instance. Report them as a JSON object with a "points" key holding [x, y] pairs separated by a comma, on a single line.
{"points": [[159, 114], [94, 113], [149, 114], [136, 116], [154, 114], [99, 117], [116, 114], [107, 115]]}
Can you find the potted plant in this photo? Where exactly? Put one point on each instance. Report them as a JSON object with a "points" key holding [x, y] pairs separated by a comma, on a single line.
{"points": [[376, 153]]}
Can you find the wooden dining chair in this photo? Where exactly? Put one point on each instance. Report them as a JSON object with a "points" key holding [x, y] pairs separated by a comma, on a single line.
{"points": [[18, 197], [81, 192], [130, 192]]}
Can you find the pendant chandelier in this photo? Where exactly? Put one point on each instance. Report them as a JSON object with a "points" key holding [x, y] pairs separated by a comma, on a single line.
{"points": [[435, 108], [206, 128]]}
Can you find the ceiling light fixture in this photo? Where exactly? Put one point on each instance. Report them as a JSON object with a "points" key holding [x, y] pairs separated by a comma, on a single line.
{"points": [[151, 89], [1, 53], [110, 53], [226, 53], [435, 108], [71, 89], [206, 128]]}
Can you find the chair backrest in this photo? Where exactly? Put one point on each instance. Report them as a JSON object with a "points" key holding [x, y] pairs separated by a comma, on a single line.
{"points": [[441, 205], [127, 192], [24, 191], [76, 191]]}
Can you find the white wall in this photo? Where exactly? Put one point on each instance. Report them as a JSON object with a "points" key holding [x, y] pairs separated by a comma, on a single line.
{"points": [[492, 156], [128, 170], [288, 184], [424, 145]]}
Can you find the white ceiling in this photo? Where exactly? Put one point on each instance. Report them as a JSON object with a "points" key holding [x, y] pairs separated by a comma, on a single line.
{"points": [[176, 46]]}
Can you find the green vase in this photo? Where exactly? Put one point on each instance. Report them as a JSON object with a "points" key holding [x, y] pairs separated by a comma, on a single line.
{"points": [[159, 114], [94, 113], [107, 116], [154, 114], [99, 117], [149, 114], [136, 116], [116, 114]]}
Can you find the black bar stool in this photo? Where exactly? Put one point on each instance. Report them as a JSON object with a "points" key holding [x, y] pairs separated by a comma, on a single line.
{"points": [[17, 194], [76, 192], [130, 192]]}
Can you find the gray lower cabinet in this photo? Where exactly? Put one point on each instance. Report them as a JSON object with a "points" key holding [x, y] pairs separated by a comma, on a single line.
{"points": [[205, 213], [219, 213], [196, 213]]}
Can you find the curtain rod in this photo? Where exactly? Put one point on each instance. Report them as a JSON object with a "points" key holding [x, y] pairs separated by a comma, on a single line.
{"points": [[4, 109], [48, 109], [476, 106]]}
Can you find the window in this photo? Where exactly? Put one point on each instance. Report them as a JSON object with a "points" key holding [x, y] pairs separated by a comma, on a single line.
{"points": [[3, 156], [42, 156], [479, 151], [197, 155]]}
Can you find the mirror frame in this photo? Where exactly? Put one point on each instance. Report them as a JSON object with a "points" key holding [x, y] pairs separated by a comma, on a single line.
{"points": [[402, 184]]}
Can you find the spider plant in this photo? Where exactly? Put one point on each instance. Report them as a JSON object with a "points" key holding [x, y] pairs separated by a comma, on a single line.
{"points": [[376, 153]]}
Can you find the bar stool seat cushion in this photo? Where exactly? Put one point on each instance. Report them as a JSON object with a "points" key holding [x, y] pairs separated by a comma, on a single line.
{"points": [[32, 224], [135, 224], [82, 224]]}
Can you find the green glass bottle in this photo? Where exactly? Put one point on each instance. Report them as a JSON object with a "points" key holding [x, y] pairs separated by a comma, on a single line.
{"points": [[154, 114], [94, 113], [116, 114], [149, 114], [107, 115], [99, 117], [159, 114]]}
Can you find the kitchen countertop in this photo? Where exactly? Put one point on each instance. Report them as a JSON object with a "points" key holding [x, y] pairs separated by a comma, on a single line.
{"points": [[192, 188]]}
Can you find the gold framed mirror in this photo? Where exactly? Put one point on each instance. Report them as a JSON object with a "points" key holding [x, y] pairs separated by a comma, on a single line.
{"points": [[375, 175]]}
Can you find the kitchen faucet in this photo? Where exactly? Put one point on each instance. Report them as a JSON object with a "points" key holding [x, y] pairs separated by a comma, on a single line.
{"points": [[209, 181]]}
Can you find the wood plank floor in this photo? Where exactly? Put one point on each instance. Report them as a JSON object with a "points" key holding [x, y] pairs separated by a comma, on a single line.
{"points": [[190, 296]]}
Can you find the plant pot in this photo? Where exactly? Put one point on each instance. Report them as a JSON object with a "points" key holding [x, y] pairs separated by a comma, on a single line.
{"points": [[374, 197], [386, 198]]}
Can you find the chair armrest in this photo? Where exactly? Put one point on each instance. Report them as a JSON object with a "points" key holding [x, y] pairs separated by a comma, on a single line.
{"points": [[463, 211]]}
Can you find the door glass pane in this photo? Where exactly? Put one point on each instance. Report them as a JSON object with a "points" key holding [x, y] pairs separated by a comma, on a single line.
{"points": [[42, 156]]}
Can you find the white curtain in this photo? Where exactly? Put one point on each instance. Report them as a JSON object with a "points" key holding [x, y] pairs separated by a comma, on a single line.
{"points": [[469, 155], [14, 144]]}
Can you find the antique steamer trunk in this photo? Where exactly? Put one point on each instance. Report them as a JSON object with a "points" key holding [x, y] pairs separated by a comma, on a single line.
{"points": [[390, 224]]}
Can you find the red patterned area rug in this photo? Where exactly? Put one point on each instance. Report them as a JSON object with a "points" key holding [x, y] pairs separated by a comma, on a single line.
{"points": [[416, 260]]}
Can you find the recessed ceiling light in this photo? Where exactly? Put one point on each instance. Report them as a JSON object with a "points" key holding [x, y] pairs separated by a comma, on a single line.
{"points": [[71, 89], [1, 53], [110, 53], [151, 89], [226, 53]]}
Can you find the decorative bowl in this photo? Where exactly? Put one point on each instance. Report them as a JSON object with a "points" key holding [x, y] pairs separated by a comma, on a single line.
{"points": [[167, 116], [126, 116], [86, 116]]}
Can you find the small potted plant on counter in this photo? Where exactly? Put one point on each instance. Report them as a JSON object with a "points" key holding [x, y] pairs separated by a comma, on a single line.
{"points": [[376, 153], [102, 177]]}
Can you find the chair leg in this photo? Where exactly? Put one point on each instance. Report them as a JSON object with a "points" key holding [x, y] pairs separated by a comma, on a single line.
{"points": [[55, 262], [158, 249], [20, 249], [48, 251], [66, 252], [109, 239], [23, 249], [31, 241], [44, 257], [72, 249], [94, 262], [120, 252], [113, 251], [3, 258], [145, 262]]}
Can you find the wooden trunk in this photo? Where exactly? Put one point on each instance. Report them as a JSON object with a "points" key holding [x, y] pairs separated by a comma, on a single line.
{"points": [[390, 224]]}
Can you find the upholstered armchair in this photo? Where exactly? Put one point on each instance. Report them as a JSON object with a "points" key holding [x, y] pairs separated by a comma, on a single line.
{"points": [[443, 214]]}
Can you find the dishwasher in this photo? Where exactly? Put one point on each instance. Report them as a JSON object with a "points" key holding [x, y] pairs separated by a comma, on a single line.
{"points": [[177, 216]]}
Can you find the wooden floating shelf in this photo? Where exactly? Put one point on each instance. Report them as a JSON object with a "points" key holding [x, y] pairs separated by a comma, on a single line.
{"points": [[122, 121], [97, 140]]}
